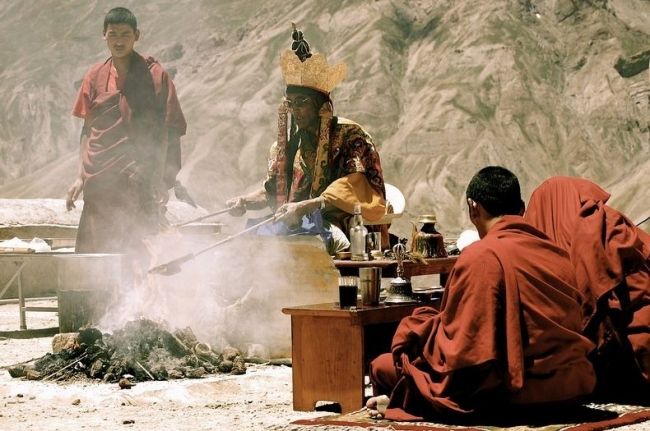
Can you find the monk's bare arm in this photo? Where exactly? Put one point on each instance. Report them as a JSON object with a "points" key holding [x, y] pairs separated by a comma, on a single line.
{"points": [[173, 158], [77, 186]]}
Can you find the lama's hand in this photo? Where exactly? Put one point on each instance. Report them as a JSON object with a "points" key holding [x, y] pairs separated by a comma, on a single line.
{"points": [[237, 206], [290, 213]]}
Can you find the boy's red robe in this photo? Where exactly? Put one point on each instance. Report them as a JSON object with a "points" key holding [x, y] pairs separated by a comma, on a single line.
{"points": [[133, 127], [612, 261], [507, 332]]}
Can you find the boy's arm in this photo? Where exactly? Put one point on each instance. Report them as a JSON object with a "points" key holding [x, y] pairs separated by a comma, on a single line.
{"points": [[77, 186]]}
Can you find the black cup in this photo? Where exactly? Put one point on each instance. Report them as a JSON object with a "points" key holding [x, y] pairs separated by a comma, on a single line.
{"points": [[348, 296]]}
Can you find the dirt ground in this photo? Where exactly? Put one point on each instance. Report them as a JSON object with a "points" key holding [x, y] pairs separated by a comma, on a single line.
{"points": [[259, 400]]}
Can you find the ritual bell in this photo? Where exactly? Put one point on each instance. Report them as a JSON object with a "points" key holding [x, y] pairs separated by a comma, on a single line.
{"points": [[400, 290]]}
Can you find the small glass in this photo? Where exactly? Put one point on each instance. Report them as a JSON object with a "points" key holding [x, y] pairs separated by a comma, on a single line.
{"points": [[373, 242], [348, 288], [370, 285]]}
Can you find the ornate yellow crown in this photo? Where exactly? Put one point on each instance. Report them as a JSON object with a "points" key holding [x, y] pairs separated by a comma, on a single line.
{"points": [[313, 73]]}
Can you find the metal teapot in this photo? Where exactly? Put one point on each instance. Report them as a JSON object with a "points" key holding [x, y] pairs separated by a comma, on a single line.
{"points": [[427, 242]]}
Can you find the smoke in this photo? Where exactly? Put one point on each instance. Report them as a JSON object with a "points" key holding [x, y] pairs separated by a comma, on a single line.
{"points": [[233, 294]]}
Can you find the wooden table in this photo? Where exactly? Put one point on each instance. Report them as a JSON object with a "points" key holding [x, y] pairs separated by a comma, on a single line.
{"points": [[437, 265], [331, 349], [22, 260], [53, 272]]}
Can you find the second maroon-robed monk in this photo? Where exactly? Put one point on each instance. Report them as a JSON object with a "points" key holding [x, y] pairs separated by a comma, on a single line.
{"points": [[130, 143], [612, 261], [508, 332]]}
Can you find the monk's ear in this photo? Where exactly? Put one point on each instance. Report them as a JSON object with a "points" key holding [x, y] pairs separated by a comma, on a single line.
{"points": [[137, 34], [473, 209]]}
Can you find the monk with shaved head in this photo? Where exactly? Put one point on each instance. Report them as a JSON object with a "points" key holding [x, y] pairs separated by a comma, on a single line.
{"points": [[508, 331]]}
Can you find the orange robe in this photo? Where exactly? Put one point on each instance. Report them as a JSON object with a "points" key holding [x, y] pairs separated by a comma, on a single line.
{"points": [[612, 261], [507, 333], [134, 127]]}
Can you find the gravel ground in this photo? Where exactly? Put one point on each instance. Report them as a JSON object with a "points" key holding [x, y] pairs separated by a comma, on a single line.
{"points": [[259, 400]]}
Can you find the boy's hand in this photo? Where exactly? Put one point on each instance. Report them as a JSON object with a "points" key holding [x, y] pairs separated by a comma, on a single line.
{"points": [[73, 193]]}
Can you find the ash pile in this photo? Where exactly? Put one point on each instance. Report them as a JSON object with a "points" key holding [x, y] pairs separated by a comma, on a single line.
{"points": [[142, 350]]}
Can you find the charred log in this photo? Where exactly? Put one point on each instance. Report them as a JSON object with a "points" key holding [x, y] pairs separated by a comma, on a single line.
{"points": [[142, 350]]}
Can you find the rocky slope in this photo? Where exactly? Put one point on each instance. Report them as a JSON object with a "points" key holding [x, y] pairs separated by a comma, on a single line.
{"points": [[444, 87]]}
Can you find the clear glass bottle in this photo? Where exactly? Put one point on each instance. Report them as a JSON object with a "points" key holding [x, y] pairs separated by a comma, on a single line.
{"points": [[358, 234]]}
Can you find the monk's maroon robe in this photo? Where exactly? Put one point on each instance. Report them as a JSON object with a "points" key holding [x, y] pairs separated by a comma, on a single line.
{"points": [[507, 333], [612, 261], [134, 125]]}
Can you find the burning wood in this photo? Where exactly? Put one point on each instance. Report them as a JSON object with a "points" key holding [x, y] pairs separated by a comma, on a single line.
{"points": [[142, 349]]}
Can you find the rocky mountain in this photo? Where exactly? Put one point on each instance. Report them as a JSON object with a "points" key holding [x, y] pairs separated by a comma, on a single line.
{"points": [[543, 87]]}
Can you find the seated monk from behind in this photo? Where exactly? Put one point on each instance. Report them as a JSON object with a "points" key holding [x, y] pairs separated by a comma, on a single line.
{"points": [[508, 331], [611, 257]]}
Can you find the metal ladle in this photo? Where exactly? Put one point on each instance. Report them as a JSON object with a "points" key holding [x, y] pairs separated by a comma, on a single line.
{"points": [[174, 266]]}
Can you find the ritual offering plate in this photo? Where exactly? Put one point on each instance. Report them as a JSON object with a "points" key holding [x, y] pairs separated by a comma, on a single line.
{"points": [[428, 294]]}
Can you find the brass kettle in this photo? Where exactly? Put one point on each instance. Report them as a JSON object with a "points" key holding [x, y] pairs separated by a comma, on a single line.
{"points": [[427, 241]]}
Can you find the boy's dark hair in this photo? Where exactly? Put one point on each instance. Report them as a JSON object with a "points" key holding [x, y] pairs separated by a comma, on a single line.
{"points": [[497, 190], [120, 15]]}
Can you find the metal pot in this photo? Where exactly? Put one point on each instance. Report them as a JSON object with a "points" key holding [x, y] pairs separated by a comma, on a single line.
{"points": [[400, 291], [426, 241]]}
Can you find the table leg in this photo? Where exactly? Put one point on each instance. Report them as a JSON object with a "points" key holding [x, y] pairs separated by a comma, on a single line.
{"points": [[443, 278], [327, 361], [21, 300]]}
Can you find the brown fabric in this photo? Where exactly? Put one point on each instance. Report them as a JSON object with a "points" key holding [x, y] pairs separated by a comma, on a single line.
{"points": [[323, 149], [612, 261], [280, 161], [351, 173], [350, 151], [507, 332], [134, 126]]}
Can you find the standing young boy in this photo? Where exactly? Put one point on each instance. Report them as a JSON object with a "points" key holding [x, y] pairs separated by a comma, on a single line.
{"points": [[129, 146]]}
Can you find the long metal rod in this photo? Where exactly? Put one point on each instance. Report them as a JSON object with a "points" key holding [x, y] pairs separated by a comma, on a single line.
{"points": [[233, 236], [173, 266], [216, 213], [643, 221]]}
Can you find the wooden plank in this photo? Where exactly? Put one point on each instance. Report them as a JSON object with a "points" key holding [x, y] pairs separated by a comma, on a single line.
{"points": [[42, 309], [30, 333], [389, 267], [15, 300], [363, 315], [328, 362]]}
